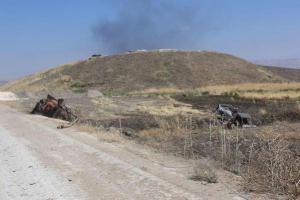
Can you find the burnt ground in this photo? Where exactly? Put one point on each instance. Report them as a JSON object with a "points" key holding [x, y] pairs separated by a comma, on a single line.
{"points": [[136, 122], [134, 112], [263, 111]]}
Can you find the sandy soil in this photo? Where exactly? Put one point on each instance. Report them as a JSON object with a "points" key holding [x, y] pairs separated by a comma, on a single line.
{"points": [[37, 161], [8, 96]]}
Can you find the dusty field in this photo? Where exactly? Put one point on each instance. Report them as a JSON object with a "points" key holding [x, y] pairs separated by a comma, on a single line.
{"points": [[40, 162], [182, 126]]}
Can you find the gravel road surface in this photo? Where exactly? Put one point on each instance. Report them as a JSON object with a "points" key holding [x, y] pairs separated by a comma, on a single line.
{"points": [[38, 161]]}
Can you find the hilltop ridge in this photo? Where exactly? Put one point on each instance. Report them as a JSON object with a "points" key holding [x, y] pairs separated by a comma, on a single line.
{"points": [[140, 70]]}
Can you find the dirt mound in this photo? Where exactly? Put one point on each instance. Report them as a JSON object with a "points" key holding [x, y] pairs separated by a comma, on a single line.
{"points": [[138, 71]]}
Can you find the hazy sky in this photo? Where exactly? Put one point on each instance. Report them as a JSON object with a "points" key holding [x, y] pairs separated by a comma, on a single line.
{"points": [[38, 34]]}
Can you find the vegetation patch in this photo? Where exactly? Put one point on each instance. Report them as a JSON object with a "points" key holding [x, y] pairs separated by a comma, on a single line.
{"points": [[257, 90], [267, 161], [204, 172]]}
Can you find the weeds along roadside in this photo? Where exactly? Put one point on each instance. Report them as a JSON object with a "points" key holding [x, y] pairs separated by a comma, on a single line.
{"points": [[266, 161]]}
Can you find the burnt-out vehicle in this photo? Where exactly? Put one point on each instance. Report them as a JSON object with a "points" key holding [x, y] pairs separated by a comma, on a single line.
{"points": [[55, 108], [229, 115]]}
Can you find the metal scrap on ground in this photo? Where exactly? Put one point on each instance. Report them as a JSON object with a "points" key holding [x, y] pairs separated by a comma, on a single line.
{"points": [[230, 116], [55, 108]]}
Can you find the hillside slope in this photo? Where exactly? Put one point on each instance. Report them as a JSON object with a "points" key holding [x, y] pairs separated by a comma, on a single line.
{"points": [[144, 70], [287, 63], [286, 73]]}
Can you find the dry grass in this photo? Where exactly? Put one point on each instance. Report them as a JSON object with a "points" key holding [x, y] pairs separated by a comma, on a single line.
{"points": [[166, 91], [121, 74], [272, 167], [257, 90], [39, 81], [203, 171], [163, 90], [173, 135], [167, 128], [267, 161], [170, 108], [248, 90], [272, 95]]}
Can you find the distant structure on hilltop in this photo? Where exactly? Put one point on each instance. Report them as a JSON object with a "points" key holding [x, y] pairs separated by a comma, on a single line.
{"points": [[153, 50], [95, 56]]}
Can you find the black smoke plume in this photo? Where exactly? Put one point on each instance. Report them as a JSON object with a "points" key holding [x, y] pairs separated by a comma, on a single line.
{"points": [[154, 24]]}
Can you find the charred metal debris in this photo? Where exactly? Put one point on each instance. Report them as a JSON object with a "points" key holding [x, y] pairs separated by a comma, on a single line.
{"points": [[55, 108], [230, 115]]}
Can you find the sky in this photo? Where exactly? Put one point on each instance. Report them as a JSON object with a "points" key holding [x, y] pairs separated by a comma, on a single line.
{"points": [[39, 34]]}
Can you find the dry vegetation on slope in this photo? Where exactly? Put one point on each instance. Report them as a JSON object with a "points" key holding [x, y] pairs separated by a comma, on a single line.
{"points": [[144, 70], [256, 90]]}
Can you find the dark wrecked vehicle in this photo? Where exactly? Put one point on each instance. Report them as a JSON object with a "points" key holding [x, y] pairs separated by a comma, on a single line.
{"points": [[54, 108], [229, 115]]}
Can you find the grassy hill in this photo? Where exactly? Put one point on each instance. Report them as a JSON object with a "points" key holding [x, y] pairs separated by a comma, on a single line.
{"points": [[139, 71]]}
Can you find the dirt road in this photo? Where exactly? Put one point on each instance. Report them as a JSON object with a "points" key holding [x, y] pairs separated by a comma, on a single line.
{"points": [[37, 161]]}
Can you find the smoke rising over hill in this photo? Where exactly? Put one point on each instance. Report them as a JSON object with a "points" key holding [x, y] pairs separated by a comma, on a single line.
{"points": [[155, 24]]}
